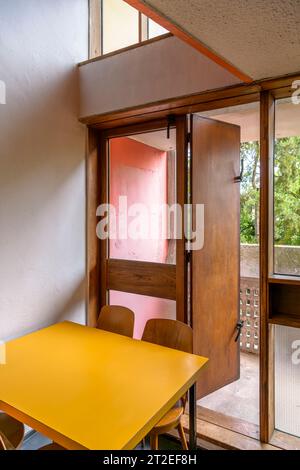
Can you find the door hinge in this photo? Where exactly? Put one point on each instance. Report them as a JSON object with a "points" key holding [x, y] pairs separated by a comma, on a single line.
{"points": [[188, 255], [239, 327], [189, 137], [171, 122]]}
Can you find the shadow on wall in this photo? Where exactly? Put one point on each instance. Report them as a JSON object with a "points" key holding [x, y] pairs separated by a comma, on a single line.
{"points": [[42, 201]]}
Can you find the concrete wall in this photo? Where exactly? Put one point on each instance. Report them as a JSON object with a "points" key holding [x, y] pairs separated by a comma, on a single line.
{"points": [[164, 69], [287, 260], [42, 169]]}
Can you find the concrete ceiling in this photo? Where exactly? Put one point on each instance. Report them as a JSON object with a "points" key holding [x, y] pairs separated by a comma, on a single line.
{"points": [[158, 139], [259, 37], [247, 117]]}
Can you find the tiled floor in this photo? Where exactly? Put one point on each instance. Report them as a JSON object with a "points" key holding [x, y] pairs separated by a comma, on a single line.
{"points": [[239, 399], [36, 440]]}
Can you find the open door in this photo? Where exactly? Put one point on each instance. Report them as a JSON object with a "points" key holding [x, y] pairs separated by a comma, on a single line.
{"points": [[215, 153]]}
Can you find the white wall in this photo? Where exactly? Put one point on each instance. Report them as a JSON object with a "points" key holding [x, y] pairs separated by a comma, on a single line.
{"points": [[164, 69], [42, 169]]}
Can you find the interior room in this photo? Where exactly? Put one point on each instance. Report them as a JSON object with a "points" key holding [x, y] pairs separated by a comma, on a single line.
{"points": [[150, 226]]}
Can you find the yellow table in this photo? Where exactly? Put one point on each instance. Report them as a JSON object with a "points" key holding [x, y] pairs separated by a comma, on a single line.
{"points": [[90, 389]]}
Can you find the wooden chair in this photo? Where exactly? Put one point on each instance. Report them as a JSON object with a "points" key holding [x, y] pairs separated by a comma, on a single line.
{"points": [[176, 335], [116, 319], [11, 432]]}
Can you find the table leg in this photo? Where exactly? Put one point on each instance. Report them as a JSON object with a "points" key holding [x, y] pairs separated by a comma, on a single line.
{"points": [[192, 418]]}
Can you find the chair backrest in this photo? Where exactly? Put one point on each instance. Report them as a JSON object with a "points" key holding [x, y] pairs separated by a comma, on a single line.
{"points": [[5, 444], [170, 333], [116, 319]]}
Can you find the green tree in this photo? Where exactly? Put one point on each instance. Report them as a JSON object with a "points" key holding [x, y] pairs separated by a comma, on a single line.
{"points": [[249, 192], [286, 191]]}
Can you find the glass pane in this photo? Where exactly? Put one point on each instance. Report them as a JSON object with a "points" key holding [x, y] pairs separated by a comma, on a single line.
{"points": [[287, 380], [144, 308], [120, 25], [155, 29], [142, 188], [287, 188]]}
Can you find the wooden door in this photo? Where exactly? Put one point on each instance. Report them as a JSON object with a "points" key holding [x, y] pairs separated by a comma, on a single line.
{"points": [[215, 268]]}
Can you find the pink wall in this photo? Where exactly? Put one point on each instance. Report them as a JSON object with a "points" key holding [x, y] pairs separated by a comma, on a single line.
{"points": [[139, 172]]}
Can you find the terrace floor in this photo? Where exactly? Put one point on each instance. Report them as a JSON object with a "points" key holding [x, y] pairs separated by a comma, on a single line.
{"points": [[239, 399]]}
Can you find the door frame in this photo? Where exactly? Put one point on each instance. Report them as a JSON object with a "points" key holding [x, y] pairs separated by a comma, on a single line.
{"points": [[100, 270]]}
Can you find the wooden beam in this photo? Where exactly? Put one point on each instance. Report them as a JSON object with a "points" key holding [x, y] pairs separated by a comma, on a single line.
{"points": [[103, 189], [181, 190], [166, 23], [267, 411], [93, 253], [137, 277], [225, 438]]}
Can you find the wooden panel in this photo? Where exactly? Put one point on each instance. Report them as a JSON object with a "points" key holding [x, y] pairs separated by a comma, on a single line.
{"points": [[95, 26], [181, 183], [284, 300], [267, 411], [226, 438], [228, 422], [215, 267], [103, 191], [152, 279], [284, 280], [285, 441], [139, 128], [93, 247]]}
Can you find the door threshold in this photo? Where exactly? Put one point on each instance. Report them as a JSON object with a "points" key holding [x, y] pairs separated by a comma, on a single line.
{"points": [[232, 423], [225, 438]]}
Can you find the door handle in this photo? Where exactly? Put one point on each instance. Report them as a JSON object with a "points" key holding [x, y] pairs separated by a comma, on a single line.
{"points": [[239, 327]]}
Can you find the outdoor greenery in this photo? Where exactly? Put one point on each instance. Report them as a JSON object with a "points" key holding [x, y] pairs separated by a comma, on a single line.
{"points": [[286, 191]]}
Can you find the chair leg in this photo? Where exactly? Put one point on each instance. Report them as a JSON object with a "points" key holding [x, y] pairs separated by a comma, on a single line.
{"points": [[154, 441], [182, 436]]}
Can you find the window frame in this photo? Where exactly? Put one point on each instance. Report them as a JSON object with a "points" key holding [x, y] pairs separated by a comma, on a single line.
{"points": [[96, 19]]}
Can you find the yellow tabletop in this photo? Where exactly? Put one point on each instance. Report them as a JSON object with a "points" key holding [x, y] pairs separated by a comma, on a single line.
{"points": [[90, 389]]}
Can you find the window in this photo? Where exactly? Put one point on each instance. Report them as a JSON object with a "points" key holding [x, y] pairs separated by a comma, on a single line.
{"points": [[114, 25], [120, 25], [155, 29], [287, 188]]}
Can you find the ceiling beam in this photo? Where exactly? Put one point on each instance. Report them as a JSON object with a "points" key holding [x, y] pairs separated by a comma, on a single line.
{"points": [[166, 23]]}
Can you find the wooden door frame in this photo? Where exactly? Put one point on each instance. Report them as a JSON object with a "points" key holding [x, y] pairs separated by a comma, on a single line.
{"points": [[169, 281], [263, 92]]}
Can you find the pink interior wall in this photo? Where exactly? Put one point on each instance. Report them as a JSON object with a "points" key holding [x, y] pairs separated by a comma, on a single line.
{"points": [[139, 172]]}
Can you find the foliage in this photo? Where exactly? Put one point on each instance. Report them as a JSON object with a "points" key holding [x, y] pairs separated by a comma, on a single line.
{"points": [[286, 191]]}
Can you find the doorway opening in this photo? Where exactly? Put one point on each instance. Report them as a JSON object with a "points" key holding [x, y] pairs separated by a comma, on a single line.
{"points": [[141, 185], [236, 406]]}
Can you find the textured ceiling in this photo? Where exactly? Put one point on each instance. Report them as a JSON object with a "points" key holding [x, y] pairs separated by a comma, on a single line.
{"points": [[259, 37]]}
